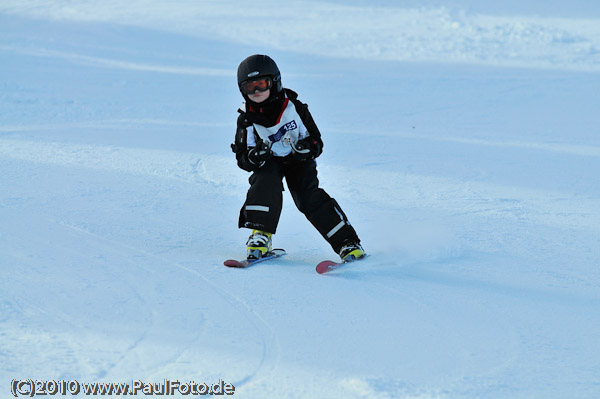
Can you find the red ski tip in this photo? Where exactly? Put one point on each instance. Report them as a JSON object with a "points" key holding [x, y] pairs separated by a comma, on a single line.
{"points": [[326, 266]]}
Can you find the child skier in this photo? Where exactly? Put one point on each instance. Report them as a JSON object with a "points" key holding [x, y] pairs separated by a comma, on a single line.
{"points": [[277, 137]]}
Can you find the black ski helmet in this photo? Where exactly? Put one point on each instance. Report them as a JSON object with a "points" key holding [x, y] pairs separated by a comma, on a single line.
{"points": [[256, 66]]}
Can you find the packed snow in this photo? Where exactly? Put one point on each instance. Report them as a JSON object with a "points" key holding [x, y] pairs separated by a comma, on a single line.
{"points": [[462, 140]]}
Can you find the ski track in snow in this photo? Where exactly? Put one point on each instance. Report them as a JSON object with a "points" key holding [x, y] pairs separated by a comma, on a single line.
{"points": [[128, 356], [100, 62], [269, 341]]}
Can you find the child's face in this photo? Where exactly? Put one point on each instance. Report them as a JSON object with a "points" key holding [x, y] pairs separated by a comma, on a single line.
{"points": [[259, 96]]}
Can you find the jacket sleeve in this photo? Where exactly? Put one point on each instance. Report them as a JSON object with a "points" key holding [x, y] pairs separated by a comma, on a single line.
{"points": [[240, 145], [314, 135]]}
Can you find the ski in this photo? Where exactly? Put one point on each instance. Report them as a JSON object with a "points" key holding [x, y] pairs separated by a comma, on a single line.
{"points": [[240, 264], [328, 265]]}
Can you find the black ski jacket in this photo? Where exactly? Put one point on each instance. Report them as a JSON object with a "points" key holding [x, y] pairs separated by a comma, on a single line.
{"points": [[240, 146]]}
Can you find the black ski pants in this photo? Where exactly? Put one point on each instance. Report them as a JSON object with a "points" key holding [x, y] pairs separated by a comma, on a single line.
{"points": [[262, 208]]}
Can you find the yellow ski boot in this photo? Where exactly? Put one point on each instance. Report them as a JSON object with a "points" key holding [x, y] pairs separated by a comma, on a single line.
{"points": [[352, 251], [259, 244]]}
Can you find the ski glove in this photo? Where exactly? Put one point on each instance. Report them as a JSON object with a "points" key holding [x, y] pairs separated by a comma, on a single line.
{"points": [[306, 149], [260, 154]]}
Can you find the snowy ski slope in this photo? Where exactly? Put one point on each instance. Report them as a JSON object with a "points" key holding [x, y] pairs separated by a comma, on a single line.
{"points": [[462, 139]]}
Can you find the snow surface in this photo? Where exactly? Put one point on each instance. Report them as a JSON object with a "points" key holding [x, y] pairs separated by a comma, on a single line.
{"points": [[462, 139]]}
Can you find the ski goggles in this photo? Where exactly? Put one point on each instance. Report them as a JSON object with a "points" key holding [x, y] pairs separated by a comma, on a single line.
{"points": [[260, 84]]}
